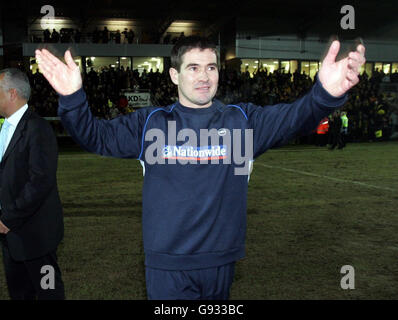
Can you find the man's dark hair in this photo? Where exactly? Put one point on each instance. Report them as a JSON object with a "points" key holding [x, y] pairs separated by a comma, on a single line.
{"points": [[188, 43]]}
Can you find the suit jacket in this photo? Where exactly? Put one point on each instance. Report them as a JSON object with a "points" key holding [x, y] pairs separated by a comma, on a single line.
{"points": [[30, 204]]}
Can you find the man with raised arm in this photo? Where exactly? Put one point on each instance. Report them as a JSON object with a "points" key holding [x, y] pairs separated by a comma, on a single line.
{"points": [[194, 195]]}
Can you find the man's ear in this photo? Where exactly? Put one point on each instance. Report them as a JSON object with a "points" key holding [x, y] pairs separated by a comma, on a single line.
{"points": [[13, 94], [174, 75]]}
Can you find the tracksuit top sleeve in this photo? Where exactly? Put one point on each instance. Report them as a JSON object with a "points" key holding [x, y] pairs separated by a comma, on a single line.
{"points": [[275, 125], [119, 137]]}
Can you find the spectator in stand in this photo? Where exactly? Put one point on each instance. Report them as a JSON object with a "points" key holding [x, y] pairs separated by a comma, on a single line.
{"points": [[130, 36], [105, 35], [117, 37], [123, 102], [54, 36], [125, 36], [46, 36], [64, 35], [394, 76], [93, 77]]}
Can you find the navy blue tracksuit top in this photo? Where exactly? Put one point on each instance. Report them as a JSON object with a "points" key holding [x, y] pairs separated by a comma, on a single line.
{"points": [[194, 214]]}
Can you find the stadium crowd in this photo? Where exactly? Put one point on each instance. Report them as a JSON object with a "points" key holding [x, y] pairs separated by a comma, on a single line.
{"points": [[127, 36], [367, 110], [70, 35]]}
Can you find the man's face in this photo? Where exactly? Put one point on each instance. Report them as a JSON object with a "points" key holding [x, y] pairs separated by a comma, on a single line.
{"points": [[197, 80]]}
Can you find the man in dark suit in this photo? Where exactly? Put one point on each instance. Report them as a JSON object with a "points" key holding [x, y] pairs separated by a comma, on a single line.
{"points": [[31, 219]]}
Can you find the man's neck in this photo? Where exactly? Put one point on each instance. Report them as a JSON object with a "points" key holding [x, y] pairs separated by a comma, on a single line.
{"points": [[15, 108]]}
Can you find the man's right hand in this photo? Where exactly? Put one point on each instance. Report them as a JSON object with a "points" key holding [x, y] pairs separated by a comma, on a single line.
{"points": [[64, 78], [3, 228]]}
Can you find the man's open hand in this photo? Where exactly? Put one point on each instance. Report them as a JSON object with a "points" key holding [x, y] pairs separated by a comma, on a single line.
{"points": [[337, 77], [64, 78]]}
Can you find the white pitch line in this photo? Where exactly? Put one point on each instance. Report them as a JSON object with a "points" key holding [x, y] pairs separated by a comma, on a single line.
{"points": [[326, 177]]}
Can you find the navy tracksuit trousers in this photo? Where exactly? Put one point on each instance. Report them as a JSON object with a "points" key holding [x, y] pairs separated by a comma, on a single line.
{"points": [[203, 284]]}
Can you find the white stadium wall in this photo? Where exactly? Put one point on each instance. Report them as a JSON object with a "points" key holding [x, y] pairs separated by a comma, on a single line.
{"points": [[291, 47]]}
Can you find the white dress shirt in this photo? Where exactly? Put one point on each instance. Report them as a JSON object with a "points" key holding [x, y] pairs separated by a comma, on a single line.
{"points": [[13, 120]]}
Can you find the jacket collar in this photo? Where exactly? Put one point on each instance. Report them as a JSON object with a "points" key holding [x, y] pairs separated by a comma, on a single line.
{"points": [[18, 133]]}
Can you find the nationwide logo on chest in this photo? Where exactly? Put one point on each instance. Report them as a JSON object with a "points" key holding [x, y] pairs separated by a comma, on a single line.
{"points": [[195, 153], [204, 146]]}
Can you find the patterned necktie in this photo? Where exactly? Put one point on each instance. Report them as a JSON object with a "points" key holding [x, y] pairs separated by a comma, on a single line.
{"points": [[3, 138]]}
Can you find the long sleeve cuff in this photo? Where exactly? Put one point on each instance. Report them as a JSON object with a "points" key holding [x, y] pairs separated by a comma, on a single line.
{"points": [[325, 99], [71, 101]]}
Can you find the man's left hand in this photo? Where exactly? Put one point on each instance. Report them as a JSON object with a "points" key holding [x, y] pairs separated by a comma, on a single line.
{"points": [[337, 77], [3, 228]]}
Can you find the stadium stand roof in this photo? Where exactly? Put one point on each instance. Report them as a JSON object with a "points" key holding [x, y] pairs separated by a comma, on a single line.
{"points": [[255, 17]]}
